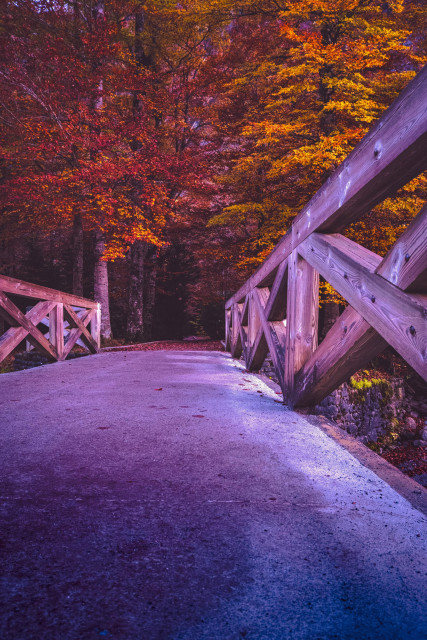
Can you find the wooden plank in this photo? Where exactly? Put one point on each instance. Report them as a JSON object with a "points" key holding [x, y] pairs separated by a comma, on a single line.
{"points": [[228, 330], [275, 310], [23, 325], [346, 348], [302, 318], [95, 326], [274, 333], [56, 329], [14, 335], [245, 312], [258, 351], [28, 290], [276, 305], [75, 331], [391, 154], [406, 263], [257, 344], [236, 342], [80, 324], [398, 317], [351, 343]]}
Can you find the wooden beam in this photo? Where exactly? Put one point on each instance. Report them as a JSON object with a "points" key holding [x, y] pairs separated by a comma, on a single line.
{"points": [[15, 334], [78, 329], [274, 333], [398, 317], [391, 154], [351, 343], [236, 342], [302, 318], [405, 265], [18, 320], [228, 315], [28, 290], [56, 329], [276, 305], [227, 329], [257, 347], [346, 348], [95, 326]]}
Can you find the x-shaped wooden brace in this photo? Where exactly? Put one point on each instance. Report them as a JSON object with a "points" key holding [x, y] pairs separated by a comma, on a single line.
{"points": [[78, 329], [258, 327], [381, 313], [23, 325]]}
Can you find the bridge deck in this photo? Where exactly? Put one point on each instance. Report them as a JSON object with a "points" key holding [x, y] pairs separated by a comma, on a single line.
{"points": [[204, 510]]}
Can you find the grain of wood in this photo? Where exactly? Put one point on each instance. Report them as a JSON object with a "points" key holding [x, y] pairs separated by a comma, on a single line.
{"points": [[398, 317]]}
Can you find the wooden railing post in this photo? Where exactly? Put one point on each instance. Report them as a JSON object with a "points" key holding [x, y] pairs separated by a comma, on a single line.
{"points": [[387, 297], [95, 326], [227, 330], [302, 318], [56, 329]]}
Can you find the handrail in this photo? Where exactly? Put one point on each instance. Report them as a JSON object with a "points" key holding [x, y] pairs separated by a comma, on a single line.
{"points": [[58, 307], [276, 310]]}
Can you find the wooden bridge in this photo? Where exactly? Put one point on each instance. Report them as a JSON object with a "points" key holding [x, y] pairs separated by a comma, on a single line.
{"points": [[172, 496], [276, 310]]}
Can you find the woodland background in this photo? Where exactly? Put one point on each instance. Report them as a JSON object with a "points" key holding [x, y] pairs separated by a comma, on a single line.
{"points": [[152, 154]]}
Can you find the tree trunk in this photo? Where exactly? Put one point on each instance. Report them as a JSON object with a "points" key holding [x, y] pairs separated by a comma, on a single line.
{"points": [[150, 293], [78, 255], [100, 285], [135, 325]]}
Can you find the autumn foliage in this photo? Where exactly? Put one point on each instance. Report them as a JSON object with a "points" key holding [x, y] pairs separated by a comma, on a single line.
{"points": [[206, 125]]}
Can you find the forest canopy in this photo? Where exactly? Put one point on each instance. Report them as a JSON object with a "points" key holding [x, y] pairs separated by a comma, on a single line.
{"points": [[152, 154]]}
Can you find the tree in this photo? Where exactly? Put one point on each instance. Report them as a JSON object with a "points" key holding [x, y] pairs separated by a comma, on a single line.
{"points": [[301, 86], [73, 139]]}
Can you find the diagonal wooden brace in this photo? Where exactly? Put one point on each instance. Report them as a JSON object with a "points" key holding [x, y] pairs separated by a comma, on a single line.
{"points": [[79, 329], [24, 325], [352, 341]]}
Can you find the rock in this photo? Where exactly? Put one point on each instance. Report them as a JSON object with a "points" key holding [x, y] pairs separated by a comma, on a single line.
{"points": [[420, 443], [352, 428], [424, 434], [410, 423]]}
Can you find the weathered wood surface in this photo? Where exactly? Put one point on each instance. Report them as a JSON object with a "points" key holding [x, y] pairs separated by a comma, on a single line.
{"points": [[351, 343], [398, 317], [28, 290], [405, 265], [50, 307], [387, 297], [302, 317], [390, 155]]}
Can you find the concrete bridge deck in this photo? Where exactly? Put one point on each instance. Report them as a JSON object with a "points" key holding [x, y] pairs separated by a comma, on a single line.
{"points": [[166, 495]]}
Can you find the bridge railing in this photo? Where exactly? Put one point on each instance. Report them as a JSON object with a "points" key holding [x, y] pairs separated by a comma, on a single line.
{"points": [[82, 318], [276, 310]]}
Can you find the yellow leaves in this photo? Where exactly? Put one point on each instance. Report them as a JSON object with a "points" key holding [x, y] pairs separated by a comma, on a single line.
{"points": [[364, 110]]}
